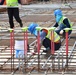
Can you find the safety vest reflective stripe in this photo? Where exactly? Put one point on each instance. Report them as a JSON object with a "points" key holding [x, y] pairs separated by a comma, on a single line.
{"points": [[61, 21], [12, 2], [56, 36]]}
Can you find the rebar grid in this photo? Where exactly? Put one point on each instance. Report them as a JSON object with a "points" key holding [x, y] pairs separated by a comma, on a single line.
{"points": [[48, 62], [32, 60]]}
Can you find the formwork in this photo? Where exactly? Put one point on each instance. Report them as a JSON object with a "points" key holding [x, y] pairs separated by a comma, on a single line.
{"points": [[35, 62]]}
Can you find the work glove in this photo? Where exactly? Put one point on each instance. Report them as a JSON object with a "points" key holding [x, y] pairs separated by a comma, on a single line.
{"points": [[61, 32]]}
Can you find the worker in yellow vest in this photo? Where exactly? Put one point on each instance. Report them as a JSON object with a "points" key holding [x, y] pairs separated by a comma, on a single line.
{"points": [[45, 37], [62, 22], [13, 11]]}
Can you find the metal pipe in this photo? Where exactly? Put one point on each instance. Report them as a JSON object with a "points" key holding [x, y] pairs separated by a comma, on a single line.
{"points": [[38, 49], [33, 60], [25, 46], [70, 54], [46, 62], [58, 61], [72, 50], [67, 50], [62, 60], [11, 47], [52, 48], [52, 42], [59, 52]]}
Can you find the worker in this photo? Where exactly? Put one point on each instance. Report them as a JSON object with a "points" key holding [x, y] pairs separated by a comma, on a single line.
{"points": [[45, 40], [2, 2], [62, 22], [13, 11]]}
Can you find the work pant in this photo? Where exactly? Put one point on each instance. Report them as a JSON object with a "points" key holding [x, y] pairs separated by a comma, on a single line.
{"points": [[47, 44], [13, 12]]}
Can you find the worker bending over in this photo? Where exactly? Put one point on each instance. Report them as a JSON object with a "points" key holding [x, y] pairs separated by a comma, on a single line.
{"points": [[45, 38]]}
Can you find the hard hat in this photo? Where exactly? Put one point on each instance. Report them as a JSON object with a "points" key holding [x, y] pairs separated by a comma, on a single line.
{"points": [[32, 28], [57, 12], [35, 32]]}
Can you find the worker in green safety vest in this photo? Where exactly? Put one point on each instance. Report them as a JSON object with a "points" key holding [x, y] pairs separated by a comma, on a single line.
{"points": [[13, 11], [12, 3], [45, 37], [62, 22]]}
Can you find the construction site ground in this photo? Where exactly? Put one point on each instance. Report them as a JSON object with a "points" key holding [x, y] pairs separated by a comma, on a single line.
{"points": [[43, 14]]}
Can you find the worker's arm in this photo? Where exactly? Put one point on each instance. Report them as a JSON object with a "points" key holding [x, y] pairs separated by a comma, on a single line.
{"points": [[66, 22], [42, 36], [56, 25]]}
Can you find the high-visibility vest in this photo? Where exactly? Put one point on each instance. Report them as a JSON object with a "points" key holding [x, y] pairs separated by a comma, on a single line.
{"points": [[11, 3], [61, 21], [56, 36]]}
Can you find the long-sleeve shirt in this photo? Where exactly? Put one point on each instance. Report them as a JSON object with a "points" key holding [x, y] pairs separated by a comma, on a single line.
{"points": [[65, 21]]}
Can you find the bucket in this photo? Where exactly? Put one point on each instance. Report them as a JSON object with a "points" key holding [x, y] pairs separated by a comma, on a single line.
{"points": [[19, 53], [19, 48]]}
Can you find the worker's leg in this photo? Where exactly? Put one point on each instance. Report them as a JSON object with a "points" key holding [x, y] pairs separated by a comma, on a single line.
{"points": [[10, 15], [46, 43], [57, 46], [16, 15]]}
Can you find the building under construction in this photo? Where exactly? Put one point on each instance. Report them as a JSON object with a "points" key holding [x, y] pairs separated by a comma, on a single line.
{"points": [[61, 62]]}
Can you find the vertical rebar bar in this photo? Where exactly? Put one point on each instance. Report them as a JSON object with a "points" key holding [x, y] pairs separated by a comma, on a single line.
{"points": [[67, 30], [62, 60], [11, 47], [38, 49], [52, 42], [25, 47], [38, 46], [67, 50], [58, 61], [62, 65], [52, 48], [25, 44], [19, 62]]}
